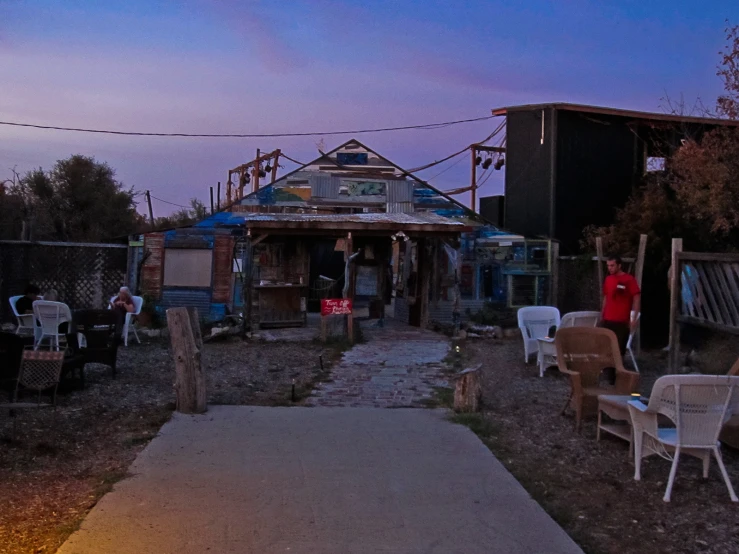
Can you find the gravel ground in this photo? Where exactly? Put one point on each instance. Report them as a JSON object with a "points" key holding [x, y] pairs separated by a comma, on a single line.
{"points": [[56, 464], [588, 486]]}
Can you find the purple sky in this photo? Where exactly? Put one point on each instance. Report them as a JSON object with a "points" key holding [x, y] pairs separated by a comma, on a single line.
{"points": [[223, 66]]}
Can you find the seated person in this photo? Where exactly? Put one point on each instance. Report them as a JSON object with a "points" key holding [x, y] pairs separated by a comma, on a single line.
{"points": [[123, 304], [24, 305]]}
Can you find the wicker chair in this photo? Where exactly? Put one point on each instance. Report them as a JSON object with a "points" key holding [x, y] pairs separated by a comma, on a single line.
{"points": [[40, 371], [583, 353], [535, 322], [698, 405], [580, 319]]}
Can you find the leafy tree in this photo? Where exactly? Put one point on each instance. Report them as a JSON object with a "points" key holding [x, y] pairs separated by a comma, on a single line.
{"points": [[78, 200], [183, 217], [697, 196]]}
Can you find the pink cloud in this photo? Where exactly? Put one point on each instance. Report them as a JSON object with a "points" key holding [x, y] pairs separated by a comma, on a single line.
{"points": [[258, 29]]}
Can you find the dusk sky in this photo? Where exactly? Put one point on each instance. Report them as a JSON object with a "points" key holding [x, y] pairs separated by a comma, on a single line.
{"points": [[219, 66]]}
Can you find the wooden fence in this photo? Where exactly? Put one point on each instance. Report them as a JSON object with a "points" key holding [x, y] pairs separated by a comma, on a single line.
{"points": [[704, 291]]}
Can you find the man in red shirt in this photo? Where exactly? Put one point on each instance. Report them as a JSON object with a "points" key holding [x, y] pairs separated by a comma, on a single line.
{"points": [[621, 296]]}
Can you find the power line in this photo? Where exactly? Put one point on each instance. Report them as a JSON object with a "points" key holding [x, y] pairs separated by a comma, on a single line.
{"points": [[450, 156], [427, 126], [171, 203], [447, 169], [291, 159]]}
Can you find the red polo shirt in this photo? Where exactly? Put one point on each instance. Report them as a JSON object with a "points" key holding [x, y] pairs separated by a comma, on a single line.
{"points": [[619, 291]]}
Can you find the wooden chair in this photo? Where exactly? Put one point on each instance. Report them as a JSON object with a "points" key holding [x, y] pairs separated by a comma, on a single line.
{"points": [[583, 353]]}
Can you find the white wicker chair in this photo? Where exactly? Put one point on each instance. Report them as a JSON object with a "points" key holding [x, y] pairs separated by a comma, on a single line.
{"points": [[631, 340], [49, 315], [580, 319], [25, 321], [698, 405], [128, 323], [534, 322]]}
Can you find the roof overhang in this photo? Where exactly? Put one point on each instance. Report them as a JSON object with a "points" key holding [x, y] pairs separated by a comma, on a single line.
{"points": [[631, 114]]}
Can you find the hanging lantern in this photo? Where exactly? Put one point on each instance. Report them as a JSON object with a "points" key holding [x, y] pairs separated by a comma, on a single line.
{"points": [[246, 178], [267, 168], [487, 163], [478, 160], [500, 163], [262, 173]]}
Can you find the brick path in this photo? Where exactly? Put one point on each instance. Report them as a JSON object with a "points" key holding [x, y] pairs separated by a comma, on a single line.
{"points": [[396, 367]]}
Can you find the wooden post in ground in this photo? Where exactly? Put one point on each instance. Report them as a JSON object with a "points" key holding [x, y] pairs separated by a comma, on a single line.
{"points": [[599, 253], [190, 379], [638, 275], [467, 390], [554, 280], [197, 334], [675, 292], [473, 179]]}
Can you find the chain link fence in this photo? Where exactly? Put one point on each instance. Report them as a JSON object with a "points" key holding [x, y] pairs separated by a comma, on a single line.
{"points": [[84, 275]]}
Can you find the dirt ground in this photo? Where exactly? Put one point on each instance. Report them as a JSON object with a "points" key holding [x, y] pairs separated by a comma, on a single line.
{"points": [[56, 464], [588, 486]]}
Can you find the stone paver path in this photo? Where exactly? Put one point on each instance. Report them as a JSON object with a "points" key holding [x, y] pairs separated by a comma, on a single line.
{"points": [[398, 366]]}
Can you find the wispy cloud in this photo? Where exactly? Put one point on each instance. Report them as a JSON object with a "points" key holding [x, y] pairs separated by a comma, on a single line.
{"points": [[254, 24]]}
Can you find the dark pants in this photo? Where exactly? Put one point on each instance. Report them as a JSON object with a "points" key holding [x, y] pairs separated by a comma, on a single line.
{"points": [[622, 331]]}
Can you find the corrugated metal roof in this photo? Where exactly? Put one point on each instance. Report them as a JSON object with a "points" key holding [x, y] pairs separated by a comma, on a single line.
{"points": [[403, 218]]}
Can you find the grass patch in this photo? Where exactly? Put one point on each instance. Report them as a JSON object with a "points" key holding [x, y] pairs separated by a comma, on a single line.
{"points": [[106, 481], [478, 424], [443, 398]]}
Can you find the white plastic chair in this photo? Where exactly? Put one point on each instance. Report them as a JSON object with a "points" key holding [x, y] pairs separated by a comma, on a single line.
{"points": [[26, 325], [698, 405], [534, 323], [138, 303], [631, 340], [580, 319], [48, 316]]}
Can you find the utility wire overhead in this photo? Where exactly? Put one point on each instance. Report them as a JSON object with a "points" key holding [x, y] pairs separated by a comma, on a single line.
{"points": [[465, 149], [171, 203], [427, 126]]}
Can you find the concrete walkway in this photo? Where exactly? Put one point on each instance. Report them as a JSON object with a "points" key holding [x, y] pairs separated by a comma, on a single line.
{"points": [[317, 481], [397, 367]]}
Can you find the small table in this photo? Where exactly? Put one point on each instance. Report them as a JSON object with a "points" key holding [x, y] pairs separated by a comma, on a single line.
{"points": [[547, 354], [616, 407]]}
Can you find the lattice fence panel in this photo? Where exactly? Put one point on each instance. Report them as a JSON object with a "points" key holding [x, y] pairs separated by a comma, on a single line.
{"points": [[84, 276]]}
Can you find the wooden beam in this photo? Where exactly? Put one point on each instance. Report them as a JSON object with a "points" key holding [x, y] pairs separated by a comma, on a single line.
{"points": [[190, 379], [599, 252], [706, 257], [483, 148], [675, 295], [638, 275], [259, 239], [554, 278]]}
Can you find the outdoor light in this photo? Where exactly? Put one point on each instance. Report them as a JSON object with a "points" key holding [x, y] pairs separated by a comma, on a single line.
{"points": [[246, 178], [262, 173], [478, 160], [487, 163], [500, 163], [267, 167]]}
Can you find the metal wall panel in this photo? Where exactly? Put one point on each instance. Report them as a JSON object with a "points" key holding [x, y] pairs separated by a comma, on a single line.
{"points": [[399, 207], [182, 297], [528, 173], [399, 191], [324, 186]]}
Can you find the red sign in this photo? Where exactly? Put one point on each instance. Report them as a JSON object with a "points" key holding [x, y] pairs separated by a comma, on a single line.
{"points": [[336, 306]]}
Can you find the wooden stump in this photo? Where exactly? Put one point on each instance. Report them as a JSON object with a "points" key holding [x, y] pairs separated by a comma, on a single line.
{"points": [[468, 390], [190, 379]]}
